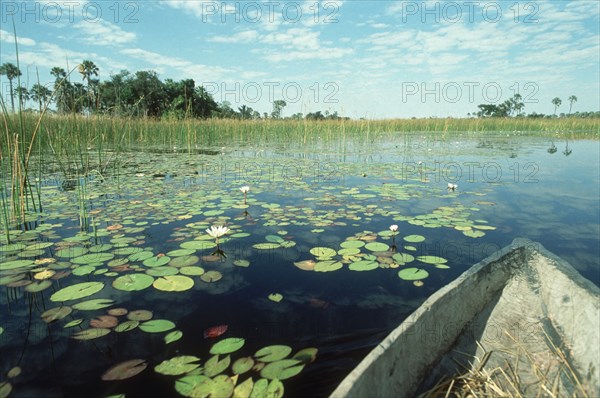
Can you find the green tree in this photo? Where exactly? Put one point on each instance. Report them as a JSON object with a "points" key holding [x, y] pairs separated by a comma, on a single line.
{"points": [[23, 94], [245, 112], [88, 69], [571, 100], [41, 94], [278, 106], [11, 71], [556, 102]]}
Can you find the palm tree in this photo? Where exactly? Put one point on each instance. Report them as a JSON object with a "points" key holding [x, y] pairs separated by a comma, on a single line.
{"points": [[556, 102], [11, 71], [88, 69], [23, 94], [571, 100], [61, 87], [41, 94]]}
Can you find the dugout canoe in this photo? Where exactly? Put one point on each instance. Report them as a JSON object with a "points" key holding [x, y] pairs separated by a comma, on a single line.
{"points": [[515, 311]]}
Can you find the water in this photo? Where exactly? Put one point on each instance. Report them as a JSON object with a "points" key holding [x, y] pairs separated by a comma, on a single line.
{"points": [[311, 196]]}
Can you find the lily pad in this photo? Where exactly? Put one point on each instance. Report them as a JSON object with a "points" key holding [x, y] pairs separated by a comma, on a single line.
{"points": [[306, 355], [139, 315], [244, 389], [211, 276], [377, 246], [275, 389], [432, 259], [363, 265], [173, 336], [414, 238], [191, 270], [54, 314], [173, 283], [276, 297], [266, 246], [94, 304], [328, 266], [220, 386], [282, 370], [177, 365], [273, 353], [322, 252], [77, 291], [125, 370], [126, 326], [184, 261], [90, 334], [228, 345], [156, 261], [241, 263], [133, 282], [214, 365], [412, 274], [187, 384], [242, 365], [93, 258], [156, 326]]}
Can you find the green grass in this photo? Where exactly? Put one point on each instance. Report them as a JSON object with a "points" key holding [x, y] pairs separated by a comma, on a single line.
{"points": [[65, 133]]}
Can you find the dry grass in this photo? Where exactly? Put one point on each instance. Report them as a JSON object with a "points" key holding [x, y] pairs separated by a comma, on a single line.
{"points": [[523, 374]]}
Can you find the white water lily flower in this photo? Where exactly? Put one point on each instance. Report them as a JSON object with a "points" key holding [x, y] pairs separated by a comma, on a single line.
{"points": [[393, 228], [217, 231], [452, 186], [245, 189]]}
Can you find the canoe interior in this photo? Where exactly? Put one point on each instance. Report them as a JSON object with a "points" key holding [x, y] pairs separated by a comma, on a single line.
{"points": [[512, 312]]}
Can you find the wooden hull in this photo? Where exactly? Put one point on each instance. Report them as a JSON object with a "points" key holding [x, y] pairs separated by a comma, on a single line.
{"points": [[515, 309]]}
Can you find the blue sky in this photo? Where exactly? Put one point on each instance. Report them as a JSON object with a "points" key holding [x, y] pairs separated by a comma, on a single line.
{"points": [[372, 59]]}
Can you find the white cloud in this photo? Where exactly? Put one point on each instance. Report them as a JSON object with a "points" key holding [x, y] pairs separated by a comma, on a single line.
{"points": [[10, 38], [103, 33]]}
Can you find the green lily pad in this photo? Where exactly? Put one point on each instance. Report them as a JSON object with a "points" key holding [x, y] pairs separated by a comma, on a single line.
{"points": [[474, 233], [306, 355], [242, 365], [90, 334], [93, 258], [241, 263], [363, 265], [403, 258], [133, 282], [220, 386], [173, 336], [211, 276], [73, 323], [156, 261], [414, 238], [276, 297], [273, 353], [198, 245], [260, 389], [432, 259], [35, 287], [180, 253], [377, 246], [157, 326], [140, 256], [125, 370], [275, 389], [282, 370], [227, 345], [83, 270], [126, 326], [184, 261], [173, 283], [266, 246], [139, 315], [323, 252], [214, 365], [191, 270], [352, 244], [177, 365], [244, 389], [162, 271], [71, 252], [8, 265], [13, 247], [327, 266], [94, 304], [5, 389], [56, 313], [77, 291], [413, 274], [187, 384], [274, 238]]}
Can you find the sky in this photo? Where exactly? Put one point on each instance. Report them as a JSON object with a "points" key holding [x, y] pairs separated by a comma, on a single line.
{"points": [[363, 59]]}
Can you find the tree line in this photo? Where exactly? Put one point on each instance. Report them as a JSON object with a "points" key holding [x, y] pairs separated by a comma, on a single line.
{"points": [[140, 94], [515, 107]]}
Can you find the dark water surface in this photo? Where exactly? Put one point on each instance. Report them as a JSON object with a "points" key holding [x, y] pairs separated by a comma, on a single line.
{"points": [[303, 197]]}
